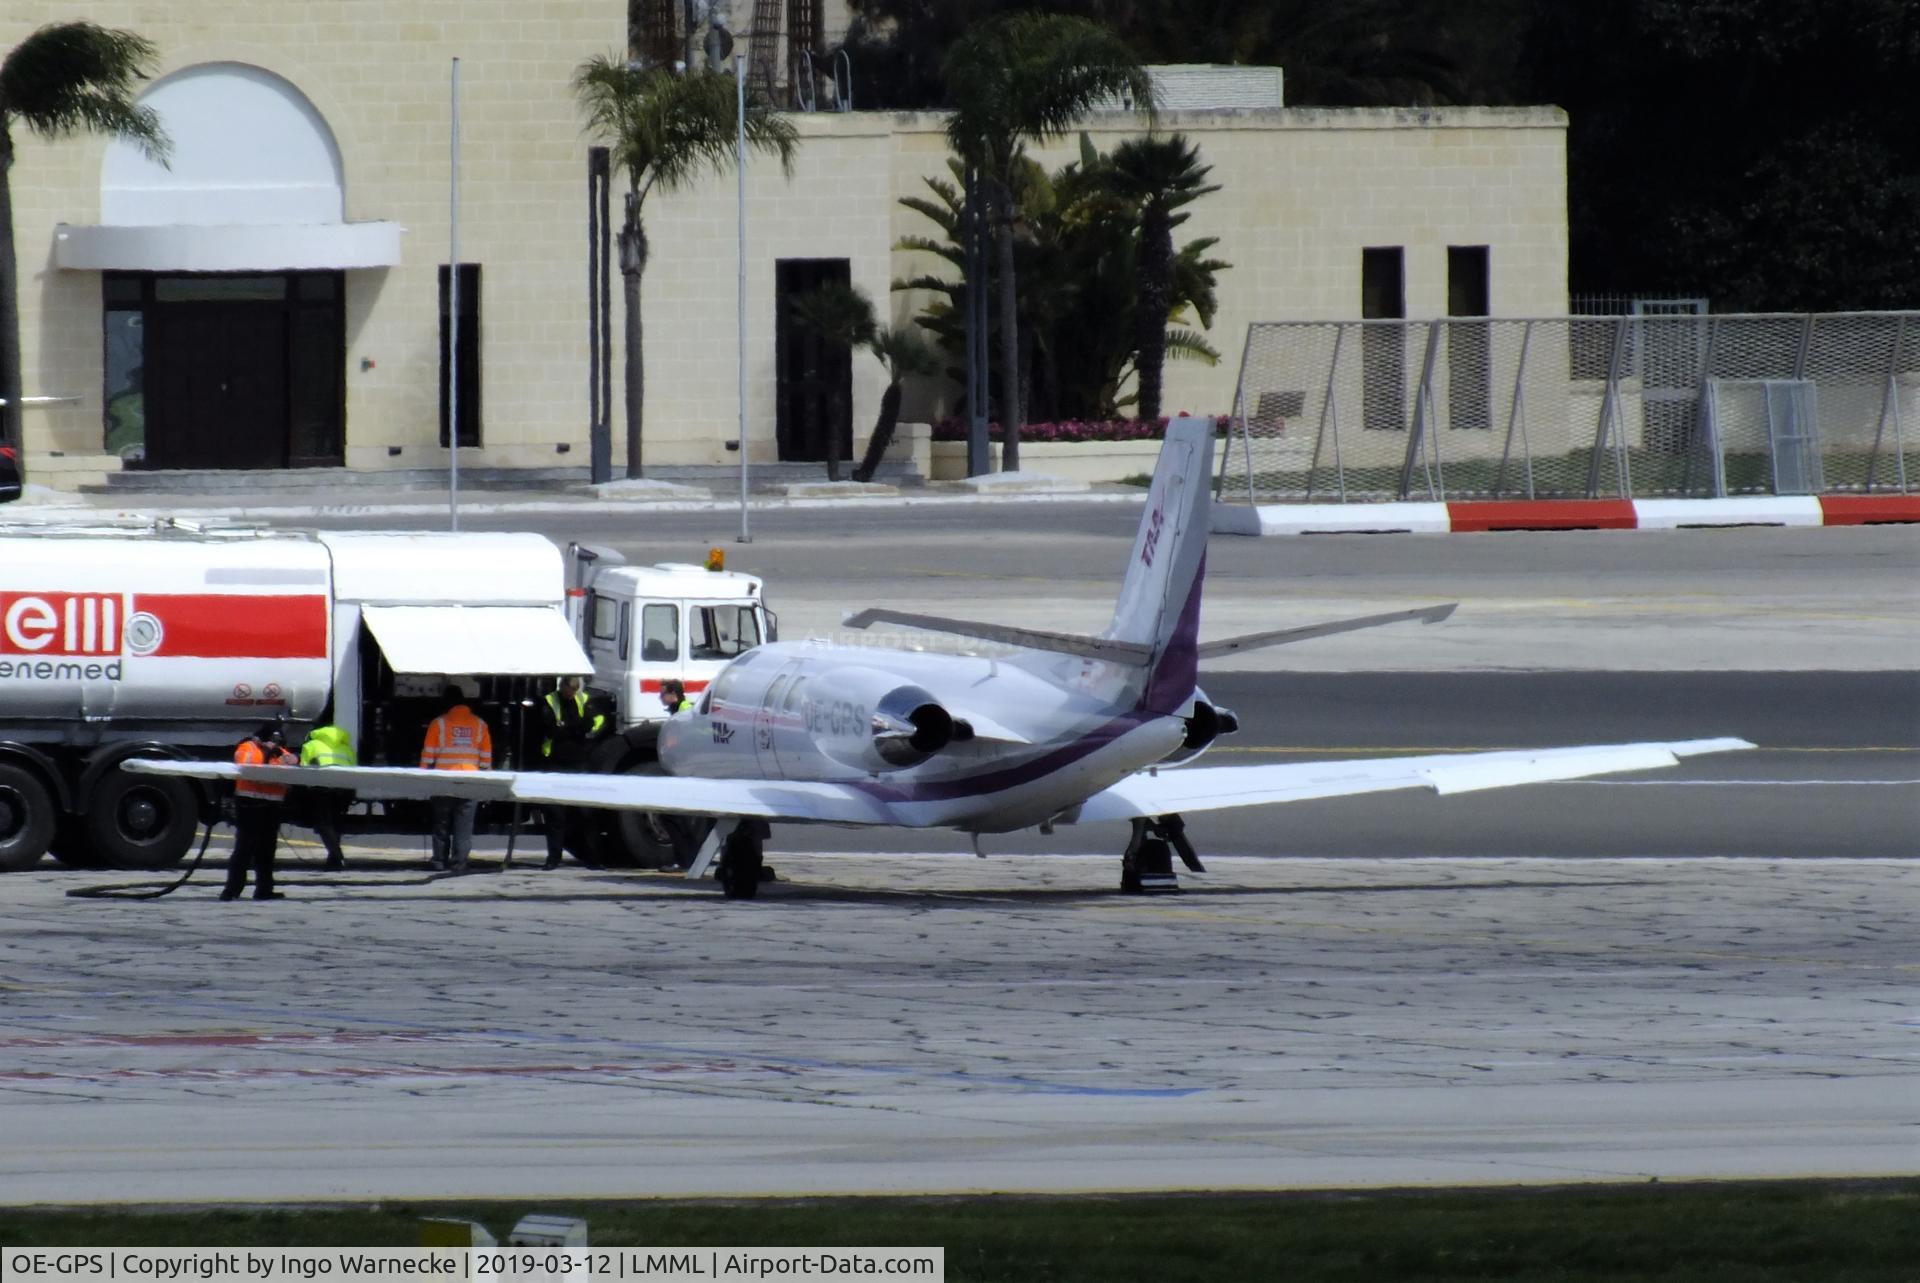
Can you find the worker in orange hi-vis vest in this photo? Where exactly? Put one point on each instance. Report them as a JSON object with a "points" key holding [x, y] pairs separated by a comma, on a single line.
{"points": [[256, 815], [457, 740]]}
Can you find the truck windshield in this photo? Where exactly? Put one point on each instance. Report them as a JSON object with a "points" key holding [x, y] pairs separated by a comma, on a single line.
{"points": [[721, 632]]}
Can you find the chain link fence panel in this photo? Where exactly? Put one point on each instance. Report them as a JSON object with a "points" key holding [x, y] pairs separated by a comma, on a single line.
{"points": [[1654, 404]]}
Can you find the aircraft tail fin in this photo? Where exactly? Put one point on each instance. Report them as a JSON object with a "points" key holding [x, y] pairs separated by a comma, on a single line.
{"points": [[1159, 605]]}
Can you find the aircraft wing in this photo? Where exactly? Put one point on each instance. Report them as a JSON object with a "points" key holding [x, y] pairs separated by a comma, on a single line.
{"points": [[1218, 787], [789, 800], [815, 801], [366, 781]]}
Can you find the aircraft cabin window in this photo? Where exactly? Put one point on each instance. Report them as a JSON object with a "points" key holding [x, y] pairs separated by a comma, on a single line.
{"points": [[660, 633], [721, 632]]}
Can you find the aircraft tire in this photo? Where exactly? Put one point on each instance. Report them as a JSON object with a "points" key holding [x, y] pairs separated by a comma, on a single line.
{"points": [[740, 868]]}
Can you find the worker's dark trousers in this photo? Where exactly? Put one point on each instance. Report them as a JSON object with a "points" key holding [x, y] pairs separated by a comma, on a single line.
{"points": [[256, 838]]}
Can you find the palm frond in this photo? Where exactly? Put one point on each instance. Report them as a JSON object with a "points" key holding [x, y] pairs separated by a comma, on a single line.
{"points": [[904, 353], [74, 77], [666, 130], [1185, 345], [839, 314], [1033, 76]]}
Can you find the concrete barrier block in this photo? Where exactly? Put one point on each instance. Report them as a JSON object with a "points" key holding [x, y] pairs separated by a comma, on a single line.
{"points": [[1745, 510]]}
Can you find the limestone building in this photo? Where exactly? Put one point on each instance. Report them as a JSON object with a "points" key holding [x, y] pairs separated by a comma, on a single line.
{"points": [[279, 296]]}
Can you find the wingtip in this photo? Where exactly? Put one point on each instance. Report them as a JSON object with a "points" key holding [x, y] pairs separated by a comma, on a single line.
{"points": [[1725, 744], [1438, 613]]}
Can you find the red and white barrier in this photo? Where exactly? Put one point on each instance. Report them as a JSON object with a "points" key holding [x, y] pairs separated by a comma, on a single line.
{"points": [[1563, 514]]}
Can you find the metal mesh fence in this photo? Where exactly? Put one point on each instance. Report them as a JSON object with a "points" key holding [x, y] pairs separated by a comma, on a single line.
{"points": [[1634, 405]]}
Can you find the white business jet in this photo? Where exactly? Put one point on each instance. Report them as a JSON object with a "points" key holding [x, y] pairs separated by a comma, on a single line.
{"points": [[1050, 728]]}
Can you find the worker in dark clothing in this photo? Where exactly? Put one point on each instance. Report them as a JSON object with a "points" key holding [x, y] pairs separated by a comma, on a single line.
{"points": [[321, 808], [673, 697], [256, 815], [570, 731]]}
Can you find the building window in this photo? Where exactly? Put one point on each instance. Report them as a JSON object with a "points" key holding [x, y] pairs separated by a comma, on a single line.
{"points": [[1469, 344], [1383, 348], [469, 354], [660, 633]]}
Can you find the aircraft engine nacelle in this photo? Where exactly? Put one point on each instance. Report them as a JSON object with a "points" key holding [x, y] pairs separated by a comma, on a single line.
{"points": [[874, 721], [1205, 724]]}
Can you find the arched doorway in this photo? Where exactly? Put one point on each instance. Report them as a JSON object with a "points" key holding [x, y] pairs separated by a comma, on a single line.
{"points": [[223, 278]]}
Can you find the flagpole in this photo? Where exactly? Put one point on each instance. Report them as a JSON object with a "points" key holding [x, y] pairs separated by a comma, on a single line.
{"points": [[740, 284], [453, 310]]}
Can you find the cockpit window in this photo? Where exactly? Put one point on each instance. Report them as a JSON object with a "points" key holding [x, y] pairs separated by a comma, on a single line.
{"points": [[725, 684]]}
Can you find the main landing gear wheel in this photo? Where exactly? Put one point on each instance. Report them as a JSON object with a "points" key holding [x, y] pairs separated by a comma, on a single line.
{"points": [[742, 863], [26, 818], [1146, 867]]}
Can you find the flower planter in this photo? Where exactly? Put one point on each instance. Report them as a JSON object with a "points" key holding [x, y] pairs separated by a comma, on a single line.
{"points": [[1091, 461]]}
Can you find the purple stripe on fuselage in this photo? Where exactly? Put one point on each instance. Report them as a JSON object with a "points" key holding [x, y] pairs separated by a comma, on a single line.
{"points": [[1007, 777], [1177, 668]]}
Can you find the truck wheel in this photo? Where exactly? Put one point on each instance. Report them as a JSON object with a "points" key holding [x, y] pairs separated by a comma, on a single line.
{"points": [[141, 821], [71, 845], [644, 839], [591, 838], [26, 818]]}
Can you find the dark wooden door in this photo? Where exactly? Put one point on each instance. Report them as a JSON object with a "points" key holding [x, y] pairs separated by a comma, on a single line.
{"points": [[814, 393], [217, 386]]}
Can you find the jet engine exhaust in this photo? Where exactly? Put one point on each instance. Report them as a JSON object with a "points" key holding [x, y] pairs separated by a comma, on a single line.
{"points": [[909, 726], [1207, 723]]}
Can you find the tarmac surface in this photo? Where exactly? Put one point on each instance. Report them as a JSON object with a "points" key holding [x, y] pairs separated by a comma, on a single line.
{"points": [[943, 1024], [1744, 599], [1452, 1000]]}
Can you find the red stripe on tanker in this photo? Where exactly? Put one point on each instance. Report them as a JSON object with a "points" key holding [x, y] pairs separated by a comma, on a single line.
{"points": [[53, 625], [228, 626]]}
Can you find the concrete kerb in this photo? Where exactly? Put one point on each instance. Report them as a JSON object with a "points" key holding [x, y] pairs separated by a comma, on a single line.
{"points": [[53, 508]]}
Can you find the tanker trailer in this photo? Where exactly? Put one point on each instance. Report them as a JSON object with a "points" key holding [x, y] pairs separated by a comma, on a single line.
{"points": [[121, 640]]}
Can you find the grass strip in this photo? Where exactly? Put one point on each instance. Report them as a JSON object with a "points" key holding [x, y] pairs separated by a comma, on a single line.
{"points": [[1835, 1232]]}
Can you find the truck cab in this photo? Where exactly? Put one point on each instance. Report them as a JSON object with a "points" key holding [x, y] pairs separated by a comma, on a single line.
{"points": [[643, 624]]}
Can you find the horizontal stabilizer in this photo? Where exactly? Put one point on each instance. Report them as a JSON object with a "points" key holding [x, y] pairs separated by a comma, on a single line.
{"points": [[1118, 652], [1282, 636]]}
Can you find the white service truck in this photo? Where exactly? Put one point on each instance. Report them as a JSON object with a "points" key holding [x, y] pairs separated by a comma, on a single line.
{"points": [[120, 640]]}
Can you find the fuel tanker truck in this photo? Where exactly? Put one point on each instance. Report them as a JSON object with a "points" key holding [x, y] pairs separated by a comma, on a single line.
{"points": [[168, 640]]}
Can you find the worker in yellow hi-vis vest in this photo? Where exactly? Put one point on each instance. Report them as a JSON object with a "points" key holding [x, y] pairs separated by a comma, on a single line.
{"points": [[571, 730], [321, 808]]}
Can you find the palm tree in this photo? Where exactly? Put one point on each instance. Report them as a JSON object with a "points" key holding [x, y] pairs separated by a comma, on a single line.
{"points": [[1022, 77], [1079, 288], [1162, 174], [905, 354], [664, 130], [62, 79]]}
